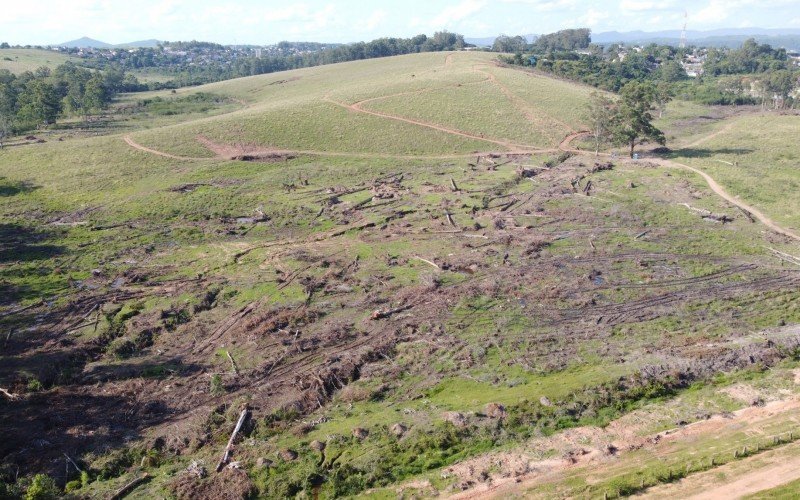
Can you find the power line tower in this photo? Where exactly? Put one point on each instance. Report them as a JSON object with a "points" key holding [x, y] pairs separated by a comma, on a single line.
{"points": [[683, 33]]}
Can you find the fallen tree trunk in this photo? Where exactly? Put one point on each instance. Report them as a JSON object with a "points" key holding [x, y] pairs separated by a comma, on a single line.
{"points": [[130, 486], [227, 452], [9, 395]]}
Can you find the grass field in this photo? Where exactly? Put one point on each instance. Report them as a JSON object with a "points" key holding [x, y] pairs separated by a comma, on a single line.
{"points": [[393, 268], [20, 60]]}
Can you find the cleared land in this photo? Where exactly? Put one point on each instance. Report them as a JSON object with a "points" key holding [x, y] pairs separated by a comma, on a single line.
{"points": [[396, 287]]}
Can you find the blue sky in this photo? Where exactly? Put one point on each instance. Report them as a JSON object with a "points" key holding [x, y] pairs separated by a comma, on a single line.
{"points": [[269, 21]]}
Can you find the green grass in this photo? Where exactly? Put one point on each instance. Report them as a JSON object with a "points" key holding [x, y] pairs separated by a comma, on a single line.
{"points": [[295, 114], [20, 60], [755, 159], [784, 492]]}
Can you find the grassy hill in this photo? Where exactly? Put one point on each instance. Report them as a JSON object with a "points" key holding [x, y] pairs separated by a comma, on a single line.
{"points": [[408, 279], [20, 60], [301, 110]]}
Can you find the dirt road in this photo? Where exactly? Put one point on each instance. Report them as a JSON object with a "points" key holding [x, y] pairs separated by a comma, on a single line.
{"points": [[227, 152], [732, 200], [714, 185], [778, 470], [138, 146]]}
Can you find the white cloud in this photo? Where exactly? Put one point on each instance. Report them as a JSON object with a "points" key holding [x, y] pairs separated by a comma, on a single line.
{"points": [[376, 19], [452, 15], [267, 21], [646, 5], [547, 5], [593, 17]]}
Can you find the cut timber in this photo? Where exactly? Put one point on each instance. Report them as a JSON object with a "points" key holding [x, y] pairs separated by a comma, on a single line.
{"points": [[453, 185], [785, 256], [17, 311], [9, 395], [427, 261], [130, 487], [385, 314], [73, 463], [233, 363], [226, 454]]}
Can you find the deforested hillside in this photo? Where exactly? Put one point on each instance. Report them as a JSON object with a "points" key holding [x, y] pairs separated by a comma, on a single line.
{"points": [[401, 277]]}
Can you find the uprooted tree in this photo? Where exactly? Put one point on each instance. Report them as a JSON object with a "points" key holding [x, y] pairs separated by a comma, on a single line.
{"points": [[632, 122]]}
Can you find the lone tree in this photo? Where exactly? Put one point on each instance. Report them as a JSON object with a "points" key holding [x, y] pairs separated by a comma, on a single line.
{"points": [[602, 110], [632, 121]]}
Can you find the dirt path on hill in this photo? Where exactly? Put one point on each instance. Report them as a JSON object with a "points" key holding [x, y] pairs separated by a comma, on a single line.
{"points": [[730, 199], [564, 145], [711, 136], [779, 470], [521, 103], [228, 152], [713, 184], [357, 108], [138, 146]]}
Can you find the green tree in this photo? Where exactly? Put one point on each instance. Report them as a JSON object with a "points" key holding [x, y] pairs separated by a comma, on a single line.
{"points": [[663, 95], [632, 121], [513, 45], [602, 110], [42, 488], [39, 103], [672, 71], [95, 95], [6, 127], [780, 84]]}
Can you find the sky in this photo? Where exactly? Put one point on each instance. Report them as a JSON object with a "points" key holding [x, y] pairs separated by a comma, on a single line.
{"points": [[262, 22]]}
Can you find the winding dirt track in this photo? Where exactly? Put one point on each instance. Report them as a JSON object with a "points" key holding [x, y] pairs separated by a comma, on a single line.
{"points": [[339, 154], [138, 146], [714, 185], [732, 200], [357, 107]]}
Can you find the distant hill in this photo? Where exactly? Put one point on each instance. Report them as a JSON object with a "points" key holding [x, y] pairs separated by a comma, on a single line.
{"points": [[729, 37], [726, 37], [141, 43], [86, 42], [489, 40]]}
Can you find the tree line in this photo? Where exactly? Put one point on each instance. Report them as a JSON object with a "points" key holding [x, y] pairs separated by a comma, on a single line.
{"points": [[223, 64], [35, 99], [752, 74]]}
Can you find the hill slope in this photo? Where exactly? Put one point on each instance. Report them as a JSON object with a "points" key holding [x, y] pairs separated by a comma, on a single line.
{"points": [[401, 275], [20, 60], [301, 110]]}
